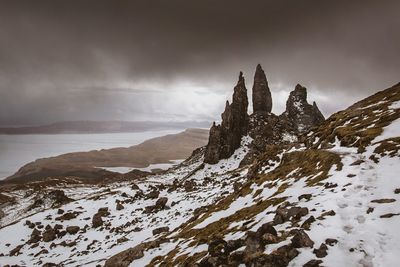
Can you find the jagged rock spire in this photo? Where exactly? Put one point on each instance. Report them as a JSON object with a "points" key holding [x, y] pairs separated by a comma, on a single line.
{"points": [[262, 100], [224, 139], [302, 114]]}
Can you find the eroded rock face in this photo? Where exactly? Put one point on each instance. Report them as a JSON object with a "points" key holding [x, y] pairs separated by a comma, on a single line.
{"points": [[303, 115], [225, 138], [262, 99]]}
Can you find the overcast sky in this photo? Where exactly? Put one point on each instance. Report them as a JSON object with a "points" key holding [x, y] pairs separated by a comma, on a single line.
{"points": [[179, 60]]}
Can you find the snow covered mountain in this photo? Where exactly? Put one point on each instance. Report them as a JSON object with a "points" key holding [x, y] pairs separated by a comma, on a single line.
{"points": [[291, 194]]}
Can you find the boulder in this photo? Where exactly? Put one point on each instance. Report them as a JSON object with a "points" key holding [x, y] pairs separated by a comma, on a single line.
{"points": [[160, 230], [49, 235], [321, 251], [301, 240], [72, 229], [124, 258]]}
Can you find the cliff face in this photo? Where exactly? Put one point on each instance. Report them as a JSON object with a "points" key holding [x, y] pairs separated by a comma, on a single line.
{"points": [[264, 127]]}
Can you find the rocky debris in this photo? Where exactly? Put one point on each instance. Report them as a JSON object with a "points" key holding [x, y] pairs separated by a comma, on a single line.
{"points": [[43, 251], [321, 251], [224, 139], [35, 236], [16, 250], [331, 241], [160, 205], [59, 197], [307, 223], [300, 113], [313, 263], [97, 220], [397, 191], [30, 224], [189, 185], [389, 215], [160, 230], [326, 213], [153, 194], [305, 196], [262, 99], [301, 240], [49, 234], [284, 214], [119, 206], [68, 216], [217, 247], [72, 229], [126, 257], [383, 200]]}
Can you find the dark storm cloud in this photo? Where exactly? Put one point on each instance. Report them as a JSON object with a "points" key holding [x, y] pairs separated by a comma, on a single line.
{"points": [[133, 60]]}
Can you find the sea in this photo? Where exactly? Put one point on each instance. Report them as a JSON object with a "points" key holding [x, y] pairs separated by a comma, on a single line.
{"points": [[18, 150]]}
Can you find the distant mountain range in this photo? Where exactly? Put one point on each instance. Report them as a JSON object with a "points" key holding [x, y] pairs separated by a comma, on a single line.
{"points": [[71, 127]]}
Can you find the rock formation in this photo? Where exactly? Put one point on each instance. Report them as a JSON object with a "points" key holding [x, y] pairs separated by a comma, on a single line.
{"points": [[303, 115], [262, 100], [263, 126], [224, 139]]}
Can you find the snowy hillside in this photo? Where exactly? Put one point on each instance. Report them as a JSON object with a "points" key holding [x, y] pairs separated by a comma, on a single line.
{"points": [[332, 198]]}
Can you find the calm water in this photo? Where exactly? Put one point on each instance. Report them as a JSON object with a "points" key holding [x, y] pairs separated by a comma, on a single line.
{"points": [[17, 150]]}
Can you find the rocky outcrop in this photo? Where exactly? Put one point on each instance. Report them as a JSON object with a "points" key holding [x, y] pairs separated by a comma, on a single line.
{"points": [[225, 138], [299, 112], [262, 99], [264, 127]]}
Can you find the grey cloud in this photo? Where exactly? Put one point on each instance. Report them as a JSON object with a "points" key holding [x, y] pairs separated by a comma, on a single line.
{"points": [[60, 60]]}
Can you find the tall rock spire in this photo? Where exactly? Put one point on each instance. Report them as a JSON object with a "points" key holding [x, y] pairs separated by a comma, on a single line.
{"points": [[262, 100], [224, 139]]}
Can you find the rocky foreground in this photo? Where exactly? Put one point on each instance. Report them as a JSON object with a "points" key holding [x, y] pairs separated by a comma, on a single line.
{"points": [[297, 190]]}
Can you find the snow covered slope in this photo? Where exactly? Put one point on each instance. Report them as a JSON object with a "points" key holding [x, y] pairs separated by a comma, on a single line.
{"points": [[330, 199]]}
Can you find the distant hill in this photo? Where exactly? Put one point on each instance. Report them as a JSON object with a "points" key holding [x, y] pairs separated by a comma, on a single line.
{"points": [[71, 127], [83, 164]]}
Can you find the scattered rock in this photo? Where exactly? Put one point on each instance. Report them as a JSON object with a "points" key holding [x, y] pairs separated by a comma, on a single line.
{"points": [[153, 194], [305, 196], [124, 258], [35, 236], [160, 230], [97, 220], [16, 250], [161, 202], [313, 263], [383, 200], [389, 215], [321, 251], [68, 216], [307, 223], [301, 240], [49, 235], [72, 229], [331, 241], [217, 247], [119, 206]]}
